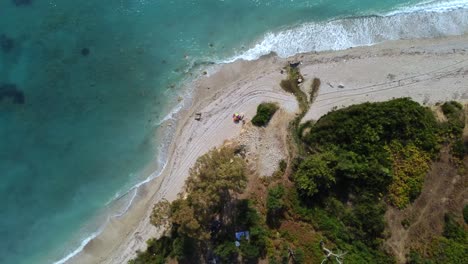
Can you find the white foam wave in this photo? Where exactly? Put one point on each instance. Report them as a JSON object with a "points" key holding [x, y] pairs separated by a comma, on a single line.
{"points": [[451, 18], [431, 6], [80, 248], [116, 215], [127, 207], [171, 115]]}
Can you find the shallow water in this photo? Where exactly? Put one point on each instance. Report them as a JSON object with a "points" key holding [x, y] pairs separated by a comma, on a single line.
{"points": [[98, 78]]}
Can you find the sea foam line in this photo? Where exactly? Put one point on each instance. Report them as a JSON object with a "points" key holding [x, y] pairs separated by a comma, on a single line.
{"points": [[80, 248], [134, 188], [429, 19], [431, 6]]}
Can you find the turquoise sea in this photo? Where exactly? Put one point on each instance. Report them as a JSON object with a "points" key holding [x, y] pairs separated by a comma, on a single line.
{"points": [[88, 87]]}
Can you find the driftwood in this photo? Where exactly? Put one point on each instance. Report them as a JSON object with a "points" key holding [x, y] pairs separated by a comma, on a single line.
{"points": [[329, 254], [291, 254]]}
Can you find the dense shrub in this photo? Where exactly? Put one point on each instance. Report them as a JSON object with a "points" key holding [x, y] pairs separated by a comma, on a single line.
{"points": [[316, 173], [364, 140], [314, 89], [366, 128], [465, 214], [291, 85], [459, 148], [275, 205], [357, 155], [453, 230], [451, 109], [449, 248], [202, 221], [410, 166], [453, 128], [265, 112]]}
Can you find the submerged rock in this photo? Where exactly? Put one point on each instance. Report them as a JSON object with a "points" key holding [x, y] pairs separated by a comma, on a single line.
{"points": [[6, 43], [85, 51], [10, 90], [22, 2]]}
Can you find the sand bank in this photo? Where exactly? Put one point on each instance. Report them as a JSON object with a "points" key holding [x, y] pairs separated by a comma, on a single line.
{"points": [[428, 71]]}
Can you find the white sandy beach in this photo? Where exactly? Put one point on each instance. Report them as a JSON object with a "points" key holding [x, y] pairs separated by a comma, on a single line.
{"points": [[428, 71]]}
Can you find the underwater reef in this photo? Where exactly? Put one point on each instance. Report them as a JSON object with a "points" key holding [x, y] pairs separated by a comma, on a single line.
{"points": [[22, 2], [6, 43], [10, 90]]}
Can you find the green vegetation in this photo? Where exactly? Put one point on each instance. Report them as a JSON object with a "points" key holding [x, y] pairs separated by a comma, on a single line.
{"points": [[291, 85], [314, 89], [342, 173], [206, 219], [265, 112], [316, 173], [453, 128], [275, 205], [449, 248], [410, 166], [373, 148], [465, 214], [360, 157]]}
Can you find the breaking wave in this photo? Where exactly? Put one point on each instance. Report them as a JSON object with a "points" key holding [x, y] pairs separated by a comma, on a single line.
{"points": [[426, 20]]}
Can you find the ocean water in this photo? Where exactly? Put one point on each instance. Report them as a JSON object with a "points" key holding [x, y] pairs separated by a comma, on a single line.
{"points": [[88, 88]]}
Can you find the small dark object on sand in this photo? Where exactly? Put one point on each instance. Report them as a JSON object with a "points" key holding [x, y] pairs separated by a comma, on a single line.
{"points": [[85, 51], [10, 90], [295, 64], [22, 2], [6, 43]]}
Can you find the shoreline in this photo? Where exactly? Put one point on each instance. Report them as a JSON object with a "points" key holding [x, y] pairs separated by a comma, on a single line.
{"points": [[242, 85]]}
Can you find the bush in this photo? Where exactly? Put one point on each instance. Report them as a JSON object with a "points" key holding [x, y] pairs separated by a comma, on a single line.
{"points": [[453, 128], [448, 251], [265, 112], [314, 89], [410, 166], [291, 85], [275, 201], [299, 256], [465, 214], [451, 108], [275, 205], [453, 230], [459, 148], [227, 251]]}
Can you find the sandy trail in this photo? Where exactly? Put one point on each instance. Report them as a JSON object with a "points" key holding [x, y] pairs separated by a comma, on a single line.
{"points": [[426, 70]]}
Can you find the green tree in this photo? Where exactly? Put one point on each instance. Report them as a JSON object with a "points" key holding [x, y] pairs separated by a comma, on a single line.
{"points": [[227, 251], [316, 173], [161, 214], [186, 222], [214, 179]]}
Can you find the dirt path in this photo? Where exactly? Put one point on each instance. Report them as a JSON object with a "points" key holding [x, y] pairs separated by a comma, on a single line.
{"points": [[443, 191]]}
